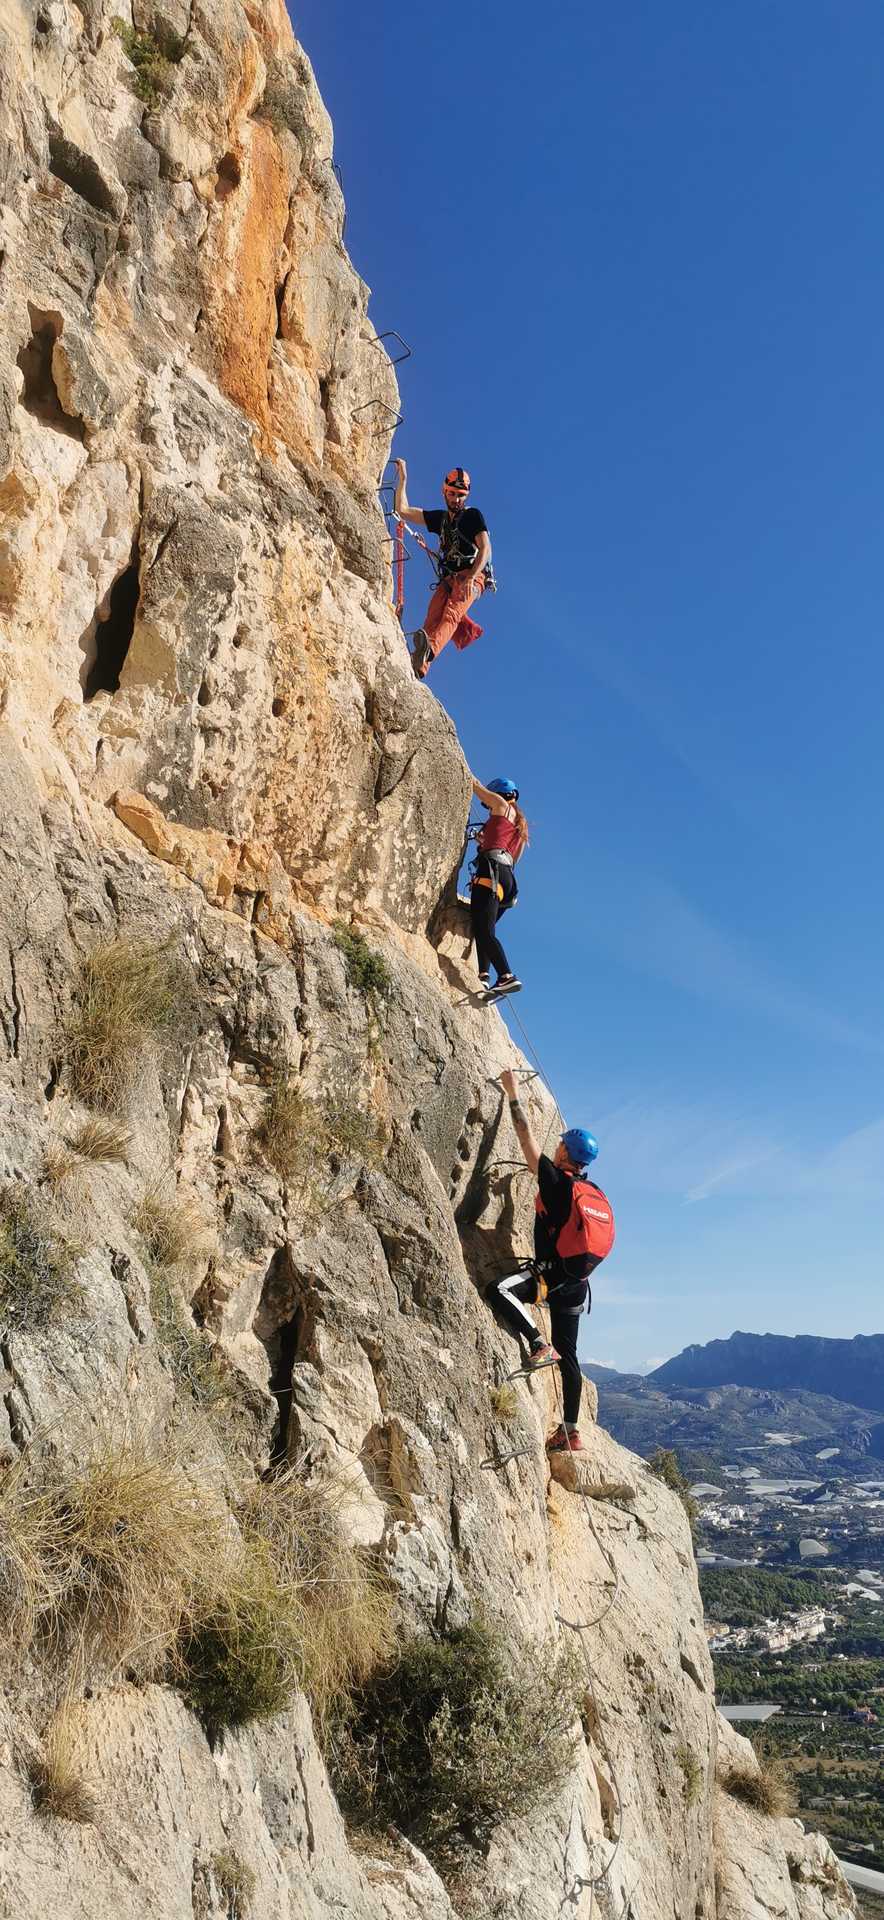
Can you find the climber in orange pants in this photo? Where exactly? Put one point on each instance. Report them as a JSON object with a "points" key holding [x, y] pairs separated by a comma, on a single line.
{"points": [[464, 565]]}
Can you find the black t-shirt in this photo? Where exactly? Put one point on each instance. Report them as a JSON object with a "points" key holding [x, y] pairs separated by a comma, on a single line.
{"points": [[457, 535], [556, 1187]]}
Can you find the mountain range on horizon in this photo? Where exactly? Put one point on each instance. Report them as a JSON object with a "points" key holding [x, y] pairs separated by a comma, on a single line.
{"points": [[843, 1369]]}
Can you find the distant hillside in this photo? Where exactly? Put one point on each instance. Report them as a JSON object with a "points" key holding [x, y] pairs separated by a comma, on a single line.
{"points": [[779, 1431], [851, 1370]]}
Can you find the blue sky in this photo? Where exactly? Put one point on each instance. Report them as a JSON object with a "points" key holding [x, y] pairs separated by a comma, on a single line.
{"points": [[637, 252]]}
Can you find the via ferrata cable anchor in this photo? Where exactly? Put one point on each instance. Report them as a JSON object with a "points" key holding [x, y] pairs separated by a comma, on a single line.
{"points": [[494, 1462], [525, 1373]]}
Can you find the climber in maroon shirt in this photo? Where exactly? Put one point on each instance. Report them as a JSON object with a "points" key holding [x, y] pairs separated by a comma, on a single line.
{"points": [[501, 843]]}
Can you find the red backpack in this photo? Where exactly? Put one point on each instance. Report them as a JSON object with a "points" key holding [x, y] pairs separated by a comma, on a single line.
{"points": [[589, 1228]]}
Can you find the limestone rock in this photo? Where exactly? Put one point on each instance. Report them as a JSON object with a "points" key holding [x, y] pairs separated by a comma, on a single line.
{"points": [[766, 1865], [212, 744]]}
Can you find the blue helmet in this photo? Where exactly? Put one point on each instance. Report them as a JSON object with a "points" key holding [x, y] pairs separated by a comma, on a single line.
{"points": [[580, 1146], [506, 788]]}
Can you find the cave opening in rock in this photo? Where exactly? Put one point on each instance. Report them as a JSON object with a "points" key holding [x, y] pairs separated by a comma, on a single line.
{"points": [[283, 1353], [228, 176], [39, 395], [107, 643]]}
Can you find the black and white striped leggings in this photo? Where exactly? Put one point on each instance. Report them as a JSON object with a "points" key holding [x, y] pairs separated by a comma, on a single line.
{"points": [[506, 1298]]}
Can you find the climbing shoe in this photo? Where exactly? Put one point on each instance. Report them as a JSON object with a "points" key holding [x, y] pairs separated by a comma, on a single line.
{"points": [[421, 653], [563, 1441], [543, 1356], [506, 984]]}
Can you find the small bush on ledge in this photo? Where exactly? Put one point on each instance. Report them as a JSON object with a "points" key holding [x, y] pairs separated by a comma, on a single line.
{"points": [[462, 1733], [365, 968], [153, 55], [664, 1465], [769, 1790]]}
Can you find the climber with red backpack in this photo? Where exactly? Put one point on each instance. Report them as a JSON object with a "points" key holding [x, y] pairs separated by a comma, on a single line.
{"points": [[573, 1231], [463, 564]]}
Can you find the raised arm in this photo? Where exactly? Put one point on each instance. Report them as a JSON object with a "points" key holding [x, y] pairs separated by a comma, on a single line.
{"points": [[495, 801], [400, 499], [524, 1135]]}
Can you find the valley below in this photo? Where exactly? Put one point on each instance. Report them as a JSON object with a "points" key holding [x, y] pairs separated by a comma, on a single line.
{"points": [[786, 1491]]}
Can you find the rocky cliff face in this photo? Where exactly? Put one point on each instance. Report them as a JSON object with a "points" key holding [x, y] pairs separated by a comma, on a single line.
{"points": [[211, 748]]}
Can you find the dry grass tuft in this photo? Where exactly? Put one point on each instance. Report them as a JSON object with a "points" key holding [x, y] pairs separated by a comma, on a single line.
{"points": [[304, 1142], [235, 1882], [129, 992], [504, 1402], [346, 1605], [102, 1140], [288, 1133], [174, 1230], [58, 1164], [138, 1549], [37, 1284], [188, 1354], [769, 1791], [242, 1661], [28, 1577], [59, 1786], [304, 1609]]}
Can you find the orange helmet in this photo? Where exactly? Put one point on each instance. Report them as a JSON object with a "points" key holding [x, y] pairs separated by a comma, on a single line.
{"points": [[457, 480]]}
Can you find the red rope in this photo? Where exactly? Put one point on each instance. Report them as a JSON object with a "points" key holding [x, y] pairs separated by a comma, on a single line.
{"points": [[399, 567]]}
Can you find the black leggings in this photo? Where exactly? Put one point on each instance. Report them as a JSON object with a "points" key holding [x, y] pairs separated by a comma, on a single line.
{"points": [[486, 909], [504, 1297]]}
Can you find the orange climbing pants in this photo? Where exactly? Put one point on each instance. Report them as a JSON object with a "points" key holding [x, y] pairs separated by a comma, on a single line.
{"points": [[448, 615]]}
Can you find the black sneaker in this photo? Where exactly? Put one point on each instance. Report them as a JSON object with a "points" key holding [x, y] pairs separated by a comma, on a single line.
{"points": [[507, 984], [422, 652]]}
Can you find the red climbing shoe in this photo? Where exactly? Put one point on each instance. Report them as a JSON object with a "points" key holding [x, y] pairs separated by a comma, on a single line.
{"points": [[544, 1356], [564, 1442]]}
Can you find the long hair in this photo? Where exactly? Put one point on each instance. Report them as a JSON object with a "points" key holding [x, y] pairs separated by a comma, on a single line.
{"points": [[521, 824]]}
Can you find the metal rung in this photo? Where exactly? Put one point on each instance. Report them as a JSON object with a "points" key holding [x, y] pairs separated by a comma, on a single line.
{"points": [[525, 1373], [391, 334], [493, 1466], [396, 418]]}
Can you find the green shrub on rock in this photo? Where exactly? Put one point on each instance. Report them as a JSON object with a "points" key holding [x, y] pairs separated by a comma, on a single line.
{"points": [[453, 1740], [366, 969], [153, 55], [664, 1466]]}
